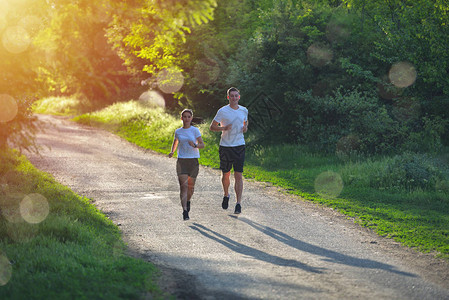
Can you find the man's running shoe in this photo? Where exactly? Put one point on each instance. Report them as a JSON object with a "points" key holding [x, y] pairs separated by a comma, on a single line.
{"points": [[225, 202], [238, 208], [188, 206], [185, 215]]}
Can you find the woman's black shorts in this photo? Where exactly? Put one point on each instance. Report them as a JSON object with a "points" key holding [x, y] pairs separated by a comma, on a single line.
{"points": [[232, 157], [189, 166]]}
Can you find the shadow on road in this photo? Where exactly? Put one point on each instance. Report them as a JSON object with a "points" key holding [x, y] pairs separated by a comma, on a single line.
{"points": [[329, 255], [249, 251]]}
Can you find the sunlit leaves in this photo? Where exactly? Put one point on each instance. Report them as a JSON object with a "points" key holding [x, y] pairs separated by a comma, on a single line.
{"points": [[20, 21], [78, 56], [413, 31], [158, 30]]}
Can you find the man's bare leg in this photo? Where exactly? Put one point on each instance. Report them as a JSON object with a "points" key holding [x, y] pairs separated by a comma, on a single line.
{"points": [[238, 186], [226, 182]]}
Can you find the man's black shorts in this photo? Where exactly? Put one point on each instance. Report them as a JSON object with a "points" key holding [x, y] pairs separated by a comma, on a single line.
{"points": [[232, 157]]}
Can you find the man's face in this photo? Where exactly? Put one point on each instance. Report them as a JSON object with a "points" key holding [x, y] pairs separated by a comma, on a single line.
{"points": [[234, 97]]}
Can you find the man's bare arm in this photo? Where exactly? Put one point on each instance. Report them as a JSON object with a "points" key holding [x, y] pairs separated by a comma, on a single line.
{"points": [[215, 126]]}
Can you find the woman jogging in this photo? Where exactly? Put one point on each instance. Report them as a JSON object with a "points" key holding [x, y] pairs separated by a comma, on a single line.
{"points": [[189, 140]]}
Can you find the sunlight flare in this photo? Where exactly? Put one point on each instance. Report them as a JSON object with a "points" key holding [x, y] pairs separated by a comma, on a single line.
{"points": [[9, 108], [329, 184], [34, 208], [319, 55], [170, 80], [5, 270], [16, 39], [402, 74], [152, 99]]}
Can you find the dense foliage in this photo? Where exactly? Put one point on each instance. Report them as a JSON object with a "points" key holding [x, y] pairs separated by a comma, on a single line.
{"points": [[80, 59], [371, 74], [369, 71], [20, 23]]}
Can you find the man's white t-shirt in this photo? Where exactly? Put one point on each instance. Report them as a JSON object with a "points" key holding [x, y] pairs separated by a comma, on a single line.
{"points": [[227, 115], [184, 136]]}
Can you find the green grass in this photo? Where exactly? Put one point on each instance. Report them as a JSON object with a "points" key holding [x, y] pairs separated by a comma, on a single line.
{"points": [[415, 216], [75, 252], [402, 197], [70, 106]]}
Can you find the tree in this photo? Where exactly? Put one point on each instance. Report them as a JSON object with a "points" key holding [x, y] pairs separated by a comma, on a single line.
{"points": [[150, 37], [415, 32], [19, 60], [347, 46], [79, 57]]}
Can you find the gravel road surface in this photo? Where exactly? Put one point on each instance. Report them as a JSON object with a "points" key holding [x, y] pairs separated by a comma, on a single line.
{"points": [[280, 247]]}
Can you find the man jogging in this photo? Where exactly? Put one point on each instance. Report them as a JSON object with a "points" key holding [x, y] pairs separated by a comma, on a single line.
{"points": [[232, 121]]}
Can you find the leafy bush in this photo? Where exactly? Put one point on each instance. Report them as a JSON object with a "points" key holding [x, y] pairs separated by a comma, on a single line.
{"points": [[19, 132], [352, 120], [428, 138], [411, 171]]}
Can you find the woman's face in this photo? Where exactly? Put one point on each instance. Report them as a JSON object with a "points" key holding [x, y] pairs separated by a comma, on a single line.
{"points": [[186, 118]]}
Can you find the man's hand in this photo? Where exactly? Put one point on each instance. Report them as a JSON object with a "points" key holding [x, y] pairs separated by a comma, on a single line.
{"points": [[227, 127]]}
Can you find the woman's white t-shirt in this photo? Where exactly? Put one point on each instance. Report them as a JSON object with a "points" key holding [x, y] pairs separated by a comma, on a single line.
{"points": [[183, 136], [227, 115]]}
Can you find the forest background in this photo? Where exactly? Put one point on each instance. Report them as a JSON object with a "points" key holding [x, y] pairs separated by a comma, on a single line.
{"points": [[356, 76], [356, 80]]}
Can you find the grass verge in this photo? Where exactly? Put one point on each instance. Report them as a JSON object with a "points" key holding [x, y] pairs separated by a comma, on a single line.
{"points": [[56, 245], [403, 197], [64, 106]]}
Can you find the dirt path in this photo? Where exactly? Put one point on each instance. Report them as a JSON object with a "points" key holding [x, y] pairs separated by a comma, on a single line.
{"points": [[279, 247]]}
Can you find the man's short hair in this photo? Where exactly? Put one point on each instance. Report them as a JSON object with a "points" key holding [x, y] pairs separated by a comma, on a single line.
{"points": [[232, 89]]}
